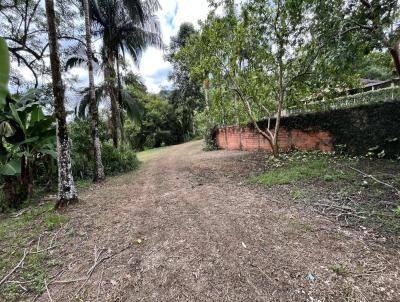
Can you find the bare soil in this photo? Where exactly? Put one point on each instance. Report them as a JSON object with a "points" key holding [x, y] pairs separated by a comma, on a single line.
{"points": [[188, 226]]}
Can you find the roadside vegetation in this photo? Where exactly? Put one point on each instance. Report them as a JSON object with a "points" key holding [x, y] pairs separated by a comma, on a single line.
{"points": [[356, 191]]}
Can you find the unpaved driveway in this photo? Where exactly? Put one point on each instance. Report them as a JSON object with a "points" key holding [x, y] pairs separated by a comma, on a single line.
{"points": [[188, 227]]}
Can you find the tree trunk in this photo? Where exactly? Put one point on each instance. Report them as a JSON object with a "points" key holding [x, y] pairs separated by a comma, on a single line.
{"points": [[110, 77], [98, 164], [66, 187], [26, 179], [281, 98], [120, 121], [395, 52]]}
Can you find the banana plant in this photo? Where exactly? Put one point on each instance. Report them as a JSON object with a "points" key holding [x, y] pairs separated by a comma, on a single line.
{"points": [[25, 131], [27, 136]]}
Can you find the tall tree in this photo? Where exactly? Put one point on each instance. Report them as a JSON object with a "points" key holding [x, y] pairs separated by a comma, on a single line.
{"points": [[24, 29], [375, 23], [269, 56], [93, 109], [66, 187], [125, 27], [187, 93]]}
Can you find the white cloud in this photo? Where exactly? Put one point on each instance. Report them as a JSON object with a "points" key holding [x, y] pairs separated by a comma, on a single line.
{"points": [[153, 68]]}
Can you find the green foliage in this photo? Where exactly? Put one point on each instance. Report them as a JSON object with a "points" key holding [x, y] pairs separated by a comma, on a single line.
{"points": [[186, 96], [376, 65], [210, 139], [358, 130], [115, 161], [299, 170], [119, 160], [389, 94], [159, 124], [27, 142], [264, 54], [397, 211], [16, 233]]}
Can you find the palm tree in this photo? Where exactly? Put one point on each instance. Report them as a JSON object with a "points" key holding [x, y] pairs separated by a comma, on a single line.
{"points": [[66, 187], [98, 164], [126, 26]]}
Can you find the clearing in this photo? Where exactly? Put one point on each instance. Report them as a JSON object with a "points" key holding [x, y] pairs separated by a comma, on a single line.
{"points": [[191, 225]]}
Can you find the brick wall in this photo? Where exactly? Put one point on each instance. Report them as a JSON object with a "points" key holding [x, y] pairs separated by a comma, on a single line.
{"points": [[246, 138], [354, 131]]}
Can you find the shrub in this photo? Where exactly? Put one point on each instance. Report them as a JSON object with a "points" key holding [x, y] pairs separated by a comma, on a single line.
{"points": [[115, 161], [118, 160], [210, 139]]}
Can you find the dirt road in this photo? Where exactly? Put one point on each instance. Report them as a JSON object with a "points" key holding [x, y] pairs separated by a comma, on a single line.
{"points": [[188, 227]]}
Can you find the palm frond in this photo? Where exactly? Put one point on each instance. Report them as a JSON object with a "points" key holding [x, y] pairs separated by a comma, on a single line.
{"points": [[137, 39], [132, 106], [139, 10], [74, 62], [81, 108]]}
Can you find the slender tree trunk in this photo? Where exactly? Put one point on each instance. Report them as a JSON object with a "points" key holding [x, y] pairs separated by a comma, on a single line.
{"points": [[395, 52], [66, 187], [110, 77], [281, 98], [26, 178], [121, 121], [94, 114]]}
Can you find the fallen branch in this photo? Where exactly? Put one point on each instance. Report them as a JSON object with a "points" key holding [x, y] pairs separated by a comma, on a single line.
{"points": [[377, 180], [14, 269], [68, 281], [47, 290], [20, 213], [344, 208], [99, 286]]}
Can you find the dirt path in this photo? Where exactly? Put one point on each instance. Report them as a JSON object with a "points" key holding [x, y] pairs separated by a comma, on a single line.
{"points": [[187, 227]]}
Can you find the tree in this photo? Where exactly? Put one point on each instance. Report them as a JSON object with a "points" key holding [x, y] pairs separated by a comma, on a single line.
{"points": [[270, 56], [27, 137], [66, 187], [24, 29], [98, 164], [376, 21], [187, 93], [125, 27]]}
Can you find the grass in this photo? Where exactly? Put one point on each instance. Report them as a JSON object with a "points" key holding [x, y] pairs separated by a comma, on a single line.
{"points": [[20, 233], [147, 154], [297, 193], [83, 183], [301, 170], [312, 177], [338, 269]]}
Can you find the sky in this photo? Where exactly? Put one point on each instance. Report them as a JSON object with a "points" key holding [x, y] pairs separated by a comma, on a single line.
{"points": [[153, 69]]}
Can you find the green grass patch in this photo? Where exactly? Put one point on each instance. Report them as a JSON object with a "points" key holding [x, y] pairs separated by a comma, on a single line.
{"points": [[83, 183], [302, 170], [20, 232], [146, 154], [297, 193]]}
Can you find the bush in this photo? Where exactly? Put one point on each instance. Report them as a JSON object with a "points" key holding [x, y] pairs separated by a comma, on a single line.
{"points": [[115, 161], [118, 160], [210, 139]]}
